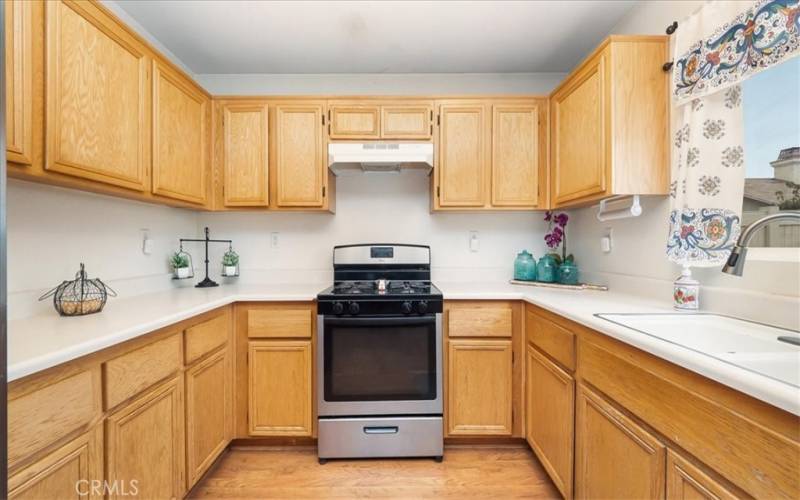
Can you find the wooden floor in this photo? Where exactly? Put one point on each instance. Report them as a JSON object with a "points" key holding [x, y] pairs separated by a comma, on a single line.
{"points": [[467, 472]]}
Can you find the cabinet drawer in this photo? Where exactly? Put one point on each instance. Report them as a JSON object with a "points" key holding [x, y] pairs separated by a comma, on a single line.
{"points": [[493, 321], [551, 338], [40, 418], [135, 371], [205, 337], [279, 323]]}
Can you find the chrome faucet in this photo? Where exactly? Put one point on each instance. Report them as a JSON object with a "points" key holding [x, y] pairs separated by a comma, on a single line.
{"points": [[735, 264]]}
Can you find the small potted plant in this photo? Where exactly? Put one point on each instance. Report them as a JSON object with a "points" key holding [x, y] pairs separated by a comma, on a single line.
{"points": [[180, 265], [230, 263], [567, 271]]}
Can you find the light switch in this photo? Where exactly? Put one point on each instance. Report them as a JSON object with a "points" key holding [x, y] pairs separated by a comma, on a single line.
{"points": [[147, 243], [605, 241]]}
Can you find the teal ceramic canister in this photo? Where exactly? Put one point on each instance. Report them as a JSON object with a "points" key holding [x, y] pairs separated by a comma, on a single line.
{"points": [[568, 274], [524, 267], [546, 269]]}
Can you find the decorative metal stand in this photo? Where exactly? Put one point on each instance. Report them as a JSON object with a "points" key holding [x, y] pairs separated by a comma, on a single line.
{"points": [[207, 282]]}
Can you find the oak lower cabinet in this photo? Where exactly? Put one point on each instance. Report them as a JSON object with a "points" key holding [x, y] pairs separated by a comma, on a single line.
{"points": [[280, 391], [208, 413], [479, 387], [96, 130], [300, 156], [614, 456], [550, 412], [686, 480], [609, 123], [145, 442], [180, 136], [74, 470]]}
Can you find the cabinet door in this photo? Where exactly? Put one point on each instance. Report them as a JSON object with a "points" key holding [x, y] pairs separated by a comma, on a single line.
{"points": [[550, 399], [479, 387], [515, 153], [280, 388], [97, 123], [208, 413], [19, 81], [354, 122], [406, 122], [687, 481], [145, 441], [615, 457], [67, 472], [580, 156], [463, 146], [300, 168], [180, 154], [246, 155]]}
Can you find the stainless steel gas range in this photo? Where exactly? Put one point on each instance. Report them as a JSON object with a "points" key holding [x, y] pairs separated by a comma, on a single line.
{"points": [[379, 355]]}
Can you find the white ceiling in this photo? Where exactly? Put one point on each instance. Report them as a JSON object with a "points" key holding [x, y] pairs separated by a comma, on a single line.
{"points": [[377, 36]]}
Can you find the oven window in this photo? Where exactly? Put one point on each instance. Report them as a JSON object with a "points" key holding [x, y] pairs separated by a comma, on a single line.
{"points": [[387, 362]]}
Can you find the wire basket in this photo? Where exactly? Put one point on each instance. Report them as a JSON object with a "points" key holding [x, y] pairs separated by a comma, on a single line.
{"points": [[80, 296]]}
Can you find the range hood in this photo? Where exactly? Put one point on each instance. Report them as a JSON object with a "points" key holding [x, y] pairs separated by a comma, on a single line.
{"points": [[348, 158]]}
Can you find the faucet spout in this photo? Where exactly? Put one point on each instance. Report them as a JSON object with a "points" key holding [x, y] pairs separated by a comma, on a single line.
{"points": [[735, 264]]}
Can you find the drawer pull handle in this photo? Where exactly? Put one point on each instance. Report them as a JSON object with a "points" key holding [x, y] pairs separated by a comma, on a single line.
{"points": [[381, 430]]}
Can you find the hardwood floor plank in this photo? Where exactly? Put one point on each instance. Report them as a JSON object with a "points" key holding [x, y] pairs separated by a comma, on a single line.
{"points": [[467, 472]]}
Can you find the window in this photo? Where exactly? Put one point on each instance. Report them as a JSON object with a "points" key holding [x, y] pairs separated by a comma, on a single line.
{"points": [[772, 152]]}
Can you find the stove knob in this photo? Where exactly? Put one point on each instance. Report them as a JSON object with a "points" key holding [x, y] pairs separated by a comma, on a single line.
{"points": [[422, 306], [338, 308], [406, 307], [353, 308]]}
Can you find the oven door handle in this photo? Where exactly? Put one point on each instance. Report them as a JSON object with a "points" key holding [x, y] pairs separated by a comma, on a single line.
{"points": [[391, 429], [379, 321]]}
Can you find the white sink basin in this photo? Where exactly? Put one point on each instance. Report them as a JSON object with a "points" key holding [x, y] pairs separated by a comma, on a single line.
{"points": [[749, 345]]}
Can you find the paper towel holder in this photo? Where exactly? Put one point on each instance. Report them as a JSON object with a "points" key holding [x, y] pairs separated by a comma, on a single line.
{"points": [[604, 214]]}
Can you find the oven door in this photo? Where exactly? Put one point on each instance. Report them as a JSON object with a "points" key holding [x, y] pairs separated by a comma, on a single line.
{"points": [[379, 365]]}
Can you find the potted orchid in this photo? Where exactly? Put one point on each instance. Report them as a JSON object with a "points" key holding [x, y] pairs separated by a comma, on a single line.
{"points": [[566, 271]]}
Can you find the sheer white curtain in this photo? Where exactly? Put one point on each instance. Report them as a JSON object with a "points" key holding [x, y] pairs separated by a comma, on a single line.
{"points": [[714, 51]]}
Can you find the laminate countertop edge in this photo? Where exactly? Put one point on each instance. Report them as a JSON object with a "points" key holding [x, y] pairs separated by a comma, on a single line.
{"points": [[44, 341]]}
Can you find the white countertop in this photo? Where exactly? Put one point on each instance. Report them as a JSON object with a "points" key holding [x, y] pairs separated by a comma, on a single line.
{"points": [[40, 342]]}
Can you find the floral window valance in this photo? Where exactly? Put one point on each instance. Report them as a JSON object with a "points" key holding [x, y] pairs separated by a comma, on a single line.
{"points": [[759, 37]]}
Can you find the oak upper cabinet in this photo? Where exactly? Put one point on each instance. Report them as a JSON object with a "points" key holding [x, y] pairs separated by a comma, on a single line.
{"points": [[19, 80], [516, 165], [180, 143], [67, 472], [479, 387], [550, 411], [464, 147], [609, 123], [280, 388], [145, 441], [407, 121], [245, 154], [208, 413], [300, 157], [98, 97], [354, 121], [614, 456]]}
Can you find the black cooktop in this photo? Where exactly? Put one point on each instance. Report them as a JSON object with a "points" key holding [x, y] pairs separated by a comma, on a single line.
{"points": [[388, 289]]}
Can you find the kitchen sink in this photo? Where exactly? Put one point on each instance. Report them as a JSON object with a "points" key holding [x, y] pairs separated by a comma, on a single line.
{"points": [[768, 350]]}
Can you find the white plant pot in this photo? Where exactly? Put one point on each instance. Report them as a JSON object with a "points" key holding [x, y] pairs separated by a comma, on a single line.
{"points": [[182, 272], [229, 270]]}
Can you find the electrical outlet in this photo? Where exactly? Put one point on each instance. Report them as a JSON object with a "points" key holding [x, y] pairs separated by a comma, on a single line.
{"points": [[274, 240], [147, 243], [474, 242], [606, 242]]}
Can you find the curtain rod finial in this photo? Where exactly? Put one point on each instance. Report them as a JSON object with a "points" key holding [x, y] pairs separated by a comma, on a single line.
{"points": [[672, 27]]}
